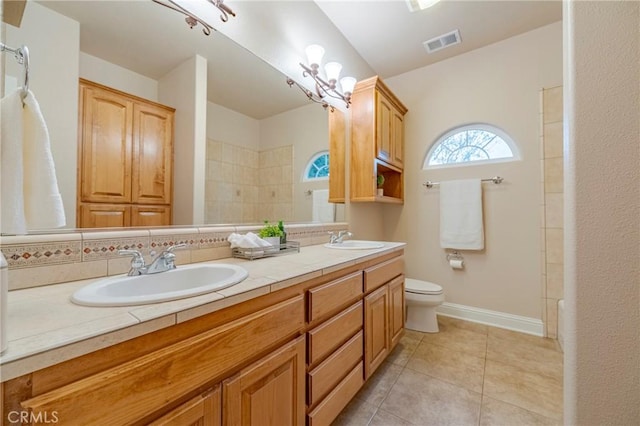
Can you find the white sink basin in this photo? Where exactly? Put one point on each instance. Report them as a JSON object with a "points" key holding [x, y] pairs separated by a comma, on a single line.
{"points": [[355, 245], [184, 281]]}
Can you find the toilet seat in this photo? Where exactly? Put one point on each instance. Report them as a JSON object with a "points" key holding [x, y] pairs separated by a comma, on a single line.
{"points": [[421, 287]]}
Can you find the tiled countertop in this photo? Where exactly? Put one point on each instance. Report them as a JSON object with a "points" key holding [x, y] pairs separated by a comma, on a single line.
{"points": [[45, 328]]}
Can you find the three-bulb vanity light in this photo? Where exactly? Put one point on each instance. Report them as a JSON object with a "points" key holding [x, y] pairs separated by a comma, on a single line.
{"points": [[192, 19], [328, 87]]}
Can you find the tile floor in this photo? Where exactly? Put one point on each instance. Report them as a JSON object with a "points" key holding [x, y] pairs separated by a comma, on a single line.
{"points": [[468, 374]]}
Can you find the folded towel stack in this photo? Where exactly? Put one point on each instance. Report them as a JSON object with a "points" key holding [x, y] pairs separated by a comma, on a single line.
{"points": [[249, 240]]}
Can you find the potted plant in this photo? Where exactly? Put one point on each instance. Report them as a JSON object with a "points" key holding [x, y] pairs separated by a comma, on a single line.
{"points": [[380, 182], [271, 233]]}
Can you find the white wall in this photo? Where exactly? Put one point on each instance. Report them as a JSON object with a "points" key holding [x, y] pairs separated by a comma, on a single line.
{"points": [[185, 89], [54, 42], [228, 126], [499, 85], [100, 71], [602, 205], [307, 130]]}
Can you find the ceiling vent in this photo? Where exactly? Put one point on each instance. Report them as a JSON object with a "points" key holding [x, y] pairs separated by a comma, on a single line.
{"points": [[440, 42]]}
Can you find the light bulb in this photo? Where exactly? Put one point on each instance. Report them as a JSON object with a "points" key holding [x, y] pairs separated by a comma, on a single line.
{"points": [[332, 70], [315, 52], [348, 83]]}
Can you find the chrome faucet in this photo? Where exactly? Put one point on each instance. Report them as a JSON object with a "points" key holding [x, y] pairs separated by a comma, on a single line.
{"points": [[165, 261], [338, 239]]}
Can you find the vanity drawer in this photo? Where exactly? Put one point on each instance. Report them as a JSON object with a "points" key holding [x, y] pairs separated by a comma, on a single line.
{"points": [[328, 336], [329, 297], [335, 402], [380, 274], [328, 374]]}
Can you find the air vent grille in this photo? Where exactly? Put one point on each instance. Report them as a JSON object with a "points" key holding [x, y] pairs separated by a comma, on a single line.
{"points": [[440, 42]]}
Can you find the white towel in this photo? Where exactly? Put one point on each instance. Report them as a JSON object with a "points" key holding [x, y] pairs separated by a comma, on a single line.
{"points": [[249, 240], [461, 224], [322, 210], [30, 195]]}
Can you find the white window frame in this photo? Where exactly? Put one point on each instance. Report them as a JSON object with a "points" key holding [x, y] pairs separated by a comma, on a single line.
{"points": [[476, 126], [312, 160]]}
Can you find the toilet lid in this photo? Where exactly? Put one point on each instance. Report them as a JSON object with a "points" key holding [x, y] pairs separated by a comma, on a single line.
{"points": [[421, 287]]}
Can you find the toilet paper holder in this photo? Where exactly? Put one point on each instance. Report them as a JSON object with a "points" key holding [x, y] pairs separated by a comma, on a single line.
{"points": [[454, 256]]}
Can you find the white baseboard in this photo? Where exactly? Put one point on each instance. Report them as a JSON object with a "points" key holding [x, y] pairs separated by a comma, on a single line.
{"points": [[493, 318]]}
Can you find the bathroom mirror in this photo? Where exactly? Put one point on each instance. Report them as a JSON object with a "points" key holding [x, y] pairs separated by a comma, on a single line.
{"points": [[251, 112]]}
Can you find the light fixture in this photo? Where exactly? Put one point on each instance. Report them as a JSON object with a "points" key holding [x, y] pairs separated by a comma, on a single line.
{"points": [[328, 86], [192, 19]]}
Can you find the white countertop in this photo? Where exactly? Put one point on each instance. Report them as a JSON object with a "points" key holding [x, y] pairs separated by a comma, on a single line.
{"points": [[45, 328]]}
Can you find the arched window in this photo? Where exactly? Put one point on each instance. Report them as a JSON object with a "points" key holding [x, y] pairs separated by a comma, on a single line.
{"points": [[471, 144], [318, 167]]}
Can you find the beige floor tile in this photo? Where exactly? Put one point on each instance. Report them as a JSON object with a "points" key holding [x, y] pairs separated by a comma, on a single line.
{"points": [[404, 349], [498, 413], [514, 336], [445, 323], [530, 355], [424, 400], [382, 418], [459, 339], [413, 335], [356, 413], [458, 368], [375, 390], [524, 388]]}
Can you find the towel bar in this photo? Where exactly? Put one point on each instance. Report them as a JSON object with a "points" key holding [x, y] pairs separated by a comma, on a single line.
{"points": [[496, 179]]}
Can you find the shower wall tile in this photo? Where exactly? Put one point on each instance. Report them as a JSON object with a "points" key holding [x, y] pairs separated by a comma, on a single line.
{"points": [[555, 246], [552, 108], [553, 140], [555, 280], [554, 210], [553, 175]]}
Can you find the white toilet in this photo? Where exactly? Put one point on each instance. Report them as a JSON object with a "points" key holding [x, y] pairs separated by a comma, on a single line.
{"points": [[421, 299]]}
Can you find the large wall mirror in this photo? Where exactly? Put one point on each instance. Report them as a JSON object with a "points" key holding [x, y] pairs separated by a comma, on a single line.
{"points": [[260, 133]]}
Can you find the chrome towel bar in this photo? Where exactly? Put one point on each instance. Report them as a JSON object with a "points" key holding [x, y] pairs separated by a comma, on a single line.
{"points": [[496, 179]]}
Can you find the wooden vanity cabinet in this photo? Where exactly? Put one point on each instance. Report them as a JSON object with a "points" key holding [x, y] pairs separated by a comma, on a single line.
{"points": [[291, 357], [383, 311], [125, 158], [377, 142]]}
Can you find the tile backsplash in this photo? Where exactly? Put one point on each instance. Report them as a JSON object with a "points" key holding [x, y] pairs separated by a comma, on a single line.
{"points": [[42, 259]]}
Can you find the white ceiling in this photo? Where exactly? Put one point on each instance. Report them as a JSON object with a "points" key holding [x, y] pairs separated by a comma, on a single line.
{"points": [[373, 37], [389, 37]]}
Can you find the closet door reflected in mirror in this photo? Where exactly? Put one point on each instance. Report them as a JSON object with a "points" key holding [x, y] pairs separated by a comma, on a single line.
{"points": [[125, 157]]}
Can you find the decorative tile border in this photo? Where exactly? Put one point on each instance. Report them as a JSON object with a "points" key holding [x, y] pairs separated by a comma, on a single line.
{"points": [[205, 243], [108, 248], [40, 254]]}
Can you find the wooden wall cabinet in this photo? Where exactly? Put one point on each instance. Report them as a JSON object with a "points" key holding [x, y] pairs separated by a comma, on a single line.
{"points": [[337, 152], [125, 157], [377, 142]]}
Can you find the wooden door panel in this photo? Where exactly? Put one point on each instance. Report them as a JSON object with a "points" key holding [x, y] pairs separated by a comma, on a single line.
{"points": [[150, 215], [106, 123], [271, 392], [203, 410], [104, 216], [396, 310], [152, 155], [383, 127], [376, 332], [397, 150]]}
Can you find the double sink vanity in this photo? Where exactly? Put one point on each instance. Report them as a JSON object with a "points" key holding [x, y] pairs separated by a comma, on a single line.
{"points": [[277, 341]]}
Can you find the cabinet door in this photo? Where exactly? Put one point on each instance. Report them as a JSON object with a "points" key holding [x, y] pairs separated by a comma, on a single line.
{"points": [[270, 392], [396, 310], [150, 215], [104, 216], [397, 146], [105, 146], [337, 147], [384, 113], [376, 333], [203, 410], [152, 154]]}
